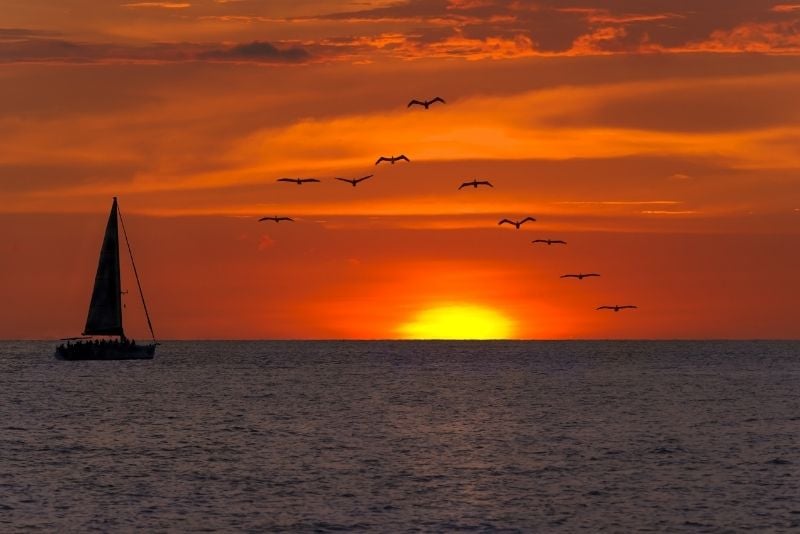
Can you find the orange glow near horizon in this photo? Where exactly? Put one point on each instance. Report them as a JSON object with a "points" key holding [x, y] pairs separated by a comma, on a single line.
{"points": [[660, 144]]}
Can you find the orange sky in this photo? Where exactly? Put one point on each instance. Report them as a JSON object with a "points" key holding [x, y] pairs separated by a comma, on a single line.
{"points": [[662, 141]]}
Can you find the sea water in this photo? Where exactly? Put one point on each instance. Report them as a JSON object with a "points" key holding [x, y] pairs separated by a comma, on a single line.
{"points": [[403, 436]]}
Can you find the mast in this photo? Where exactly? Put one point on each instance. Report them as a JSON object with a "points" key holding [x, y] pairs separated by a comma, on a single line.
{"points": [[105, 308]]}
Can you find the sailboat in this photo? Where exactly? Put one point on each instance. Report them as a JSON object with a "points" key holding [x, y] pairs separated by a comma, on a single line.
{"points": [[105, 308]]}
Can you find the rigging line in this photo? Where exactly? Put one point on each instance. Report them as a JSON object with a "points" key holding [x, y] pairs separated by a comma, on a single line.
{"points": [[136, 273]]}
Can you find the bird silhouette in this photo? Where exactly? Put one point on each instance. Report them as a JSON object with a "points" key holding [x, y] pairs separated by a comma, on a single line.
{"points": [[298, 181], [355, 181], [516, 223], [579, 276], [616, 308], [549, 241], [426, 103], [475, 184], [276, 219], [392, 159]]}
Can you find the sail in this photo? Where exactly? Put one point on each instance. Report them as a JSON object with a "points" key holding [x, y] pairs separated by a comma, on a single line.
{"points": [[105, 310]]}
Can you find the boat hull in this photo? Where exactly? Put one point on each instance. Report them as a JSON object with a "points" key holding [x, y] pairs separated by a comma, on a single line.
{"points": [[105, 351]]}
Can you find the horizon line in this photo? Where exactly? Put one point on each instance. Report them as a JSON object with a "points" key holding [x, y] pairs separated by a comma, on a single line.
{"points": [[372, 340]]}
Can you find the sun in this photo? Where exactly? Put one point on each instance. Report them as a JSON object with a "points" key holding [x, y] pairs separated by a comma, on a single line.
{"points": [[458, 321]]}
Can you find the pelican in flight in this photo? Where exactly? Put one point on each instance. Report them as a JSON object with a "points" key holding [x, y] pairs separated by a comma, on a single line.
{"points": [[579, 276], [516, 223], [425, 103], [298, 181], [276, 219], [355, 181], [475, 184], [549, 241], [616, 308], [392, 159]]}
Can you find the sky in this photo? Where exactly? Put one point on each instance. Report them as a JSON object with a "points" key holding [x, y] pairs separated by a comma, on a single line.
{"points": [[659, 139]]}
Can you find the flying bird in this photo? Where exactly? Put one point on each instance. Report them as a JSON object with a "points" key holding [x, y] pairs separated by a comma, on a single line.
{"points": [[276, 219], [392, 159], [355, 181], [549, 241], [475, 184], [516, 223], [298, 181], [579, 276], [616, 308], [426, 103]]}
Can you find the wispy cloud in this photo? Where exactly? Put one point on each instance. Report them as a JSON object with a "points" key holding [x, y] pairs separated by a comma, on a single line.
{"points": [[161, 5], [620, 202], [786, 8], [666, 212], [15, 34], [258, 51], [35, 48], [763, 37]]}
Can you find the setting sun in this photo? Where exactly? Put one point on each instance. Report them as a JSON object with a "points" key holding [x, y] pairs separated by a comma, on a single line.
{"points": [[458, 321]]}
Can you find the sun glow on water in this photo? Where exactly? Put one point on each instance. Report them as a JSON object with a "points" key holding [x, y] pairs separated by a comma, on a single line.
{"points": [[458, 321]]}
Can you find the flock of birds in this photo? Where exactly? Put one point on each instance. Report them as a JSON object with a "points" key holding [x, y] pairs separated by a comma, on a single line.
{"points": [[474, 184]]}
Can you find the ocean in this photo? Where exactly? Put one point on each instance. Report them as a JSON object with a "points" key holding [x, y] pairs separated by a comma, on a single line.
{"points": [[403, 437]]}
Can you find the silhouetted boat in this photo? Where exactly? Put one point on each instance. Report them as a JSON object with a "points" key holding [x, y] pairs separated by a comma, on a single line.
{"points": [[105, 309]]}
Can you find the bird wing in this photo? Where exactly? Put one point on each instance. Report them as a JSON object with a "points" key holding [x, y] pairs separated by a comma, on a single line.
{"points": [[265, 219], [590, 274], [437, 99], [382, 158], [539, 241], [605, 308], [417, 102], [343, 179], [569, 276], [367, 177], [284, 219], [286, 180], [624, 307], [559, 241], [401, 156], [304, 180], [526, 219], [505, 221], [485, 182], [465, 184]]}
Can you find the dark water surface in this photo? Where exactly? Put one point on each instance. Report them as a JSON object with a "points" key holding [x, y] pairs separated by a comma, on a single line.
{"points": [[404, 436]]}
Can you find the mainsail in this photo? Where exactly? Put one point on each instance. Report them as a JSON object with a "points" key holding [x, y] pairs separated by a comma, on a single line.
{"points": [[105, 310]]}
